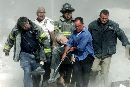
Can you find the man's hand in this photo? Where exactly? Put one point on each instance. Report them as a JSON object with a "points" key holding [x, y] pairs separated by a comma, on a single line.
{"points": [[72, 49], [6, 52]]}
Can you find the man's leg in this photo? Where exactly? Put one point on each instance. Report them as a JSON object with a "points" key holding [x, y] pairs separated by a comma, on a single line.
{"points": [[27, 77], [46, 76], [68, 73], [25, 64], [55, 57], [78, 74], [104, 71], [95, 68], [36, 77], [94, 73], [36, 80], [86, 69], [56, 64], [65, 71]]}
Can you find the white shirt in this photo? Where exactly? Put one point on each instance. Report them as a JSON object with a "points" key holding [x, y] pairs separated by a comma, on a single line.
{"points": [[47, 25]]}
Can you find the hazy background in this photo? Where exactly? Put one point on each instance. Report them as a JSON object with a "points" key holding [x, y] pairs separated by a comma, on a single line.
{"points": [[10, 10]]}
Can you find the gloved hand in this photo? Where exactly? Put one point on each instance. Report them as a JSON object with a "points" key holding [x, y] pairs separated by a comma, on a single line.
{"points": [[42, 62], [6, 52]]}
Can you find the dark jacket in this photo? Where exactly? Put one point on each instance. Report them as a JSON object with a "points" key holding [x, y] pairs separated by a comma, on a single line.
{"points": [[105, 37], [14, 39]]}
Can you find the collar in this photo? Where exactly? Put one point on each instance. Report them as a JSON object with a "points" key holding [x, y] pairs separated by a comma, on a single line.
{"points": [[64, 20], [43, 21], [100, 23], [84, 29]]}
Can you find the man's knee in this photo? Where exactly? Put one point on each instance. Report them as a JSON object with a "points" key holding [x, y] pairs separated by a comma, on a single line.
{"points": [[96, 67], [27, 70], [94, 73]]}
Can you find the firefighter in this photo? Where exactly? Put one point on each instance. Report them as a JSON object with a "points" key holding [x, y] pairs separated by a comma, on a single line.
{"points": [[27, 39], [65, 27], [48, 27]]}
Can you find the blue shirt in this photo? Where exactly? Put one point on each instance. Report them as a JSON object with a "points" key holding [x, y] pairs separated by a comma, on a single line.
{"points": [[83, 42]]}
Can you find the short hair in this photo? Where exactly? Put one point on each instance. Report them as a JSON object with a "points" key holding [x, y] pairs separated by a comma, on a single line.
{"points": [[22, 20], [80, 19], [105, 12], [40, 9]]}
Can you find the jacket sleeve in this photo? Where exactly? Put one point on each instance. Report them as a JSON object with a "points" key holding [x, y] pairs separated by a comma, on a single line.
{"points": [[121, 36], [11, 39], [52, 36], [90, 27], [70, 41], [42, 36]]}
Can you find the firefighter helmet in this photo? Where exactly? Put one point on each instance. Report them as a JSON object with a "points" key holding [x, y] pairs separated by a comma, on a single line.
{"points": [[67, 8]]}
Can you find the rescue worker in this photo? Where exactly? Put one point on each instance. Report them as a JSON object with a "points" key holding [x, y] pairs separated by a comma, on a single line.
{"points": [[48, 27], [64, 26], [80, 44], [105, 33], [65, 23], [27, 39]]}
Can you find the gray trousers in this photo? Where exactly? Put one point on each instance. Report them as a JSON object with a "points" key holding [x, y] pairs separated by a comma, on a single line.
{"points": [[100, 70]]}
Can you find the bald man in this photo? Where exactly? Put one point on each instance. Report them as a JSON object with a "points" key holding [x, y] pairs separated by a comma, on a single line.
{"points": [[48, 27]]}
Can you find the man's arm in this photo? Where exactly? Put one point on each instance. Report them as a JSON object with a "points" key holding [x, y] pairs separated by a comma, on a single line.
{"points": [[90, 27], [123, 38], [67, 47], [65, 52], [10, 41], [127, 51], [52, 37], [121, 35], [42, 36]]}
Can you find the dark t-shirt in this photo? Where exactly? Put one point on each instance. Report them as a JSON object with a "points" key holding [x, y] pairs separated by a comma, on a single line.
{"points": [[29, 43]]}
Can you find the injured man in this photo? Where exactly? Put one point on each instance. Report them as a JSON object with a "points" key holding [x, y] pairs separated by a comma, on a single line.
{"points": [[63, 68]]}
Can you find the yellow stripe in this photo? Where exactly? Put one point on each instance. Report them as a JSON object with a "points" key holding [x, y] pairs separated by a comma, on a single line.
{"points": [[11, 37], [6, 47], [47, 50], [66, 33], [43, 36]]}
